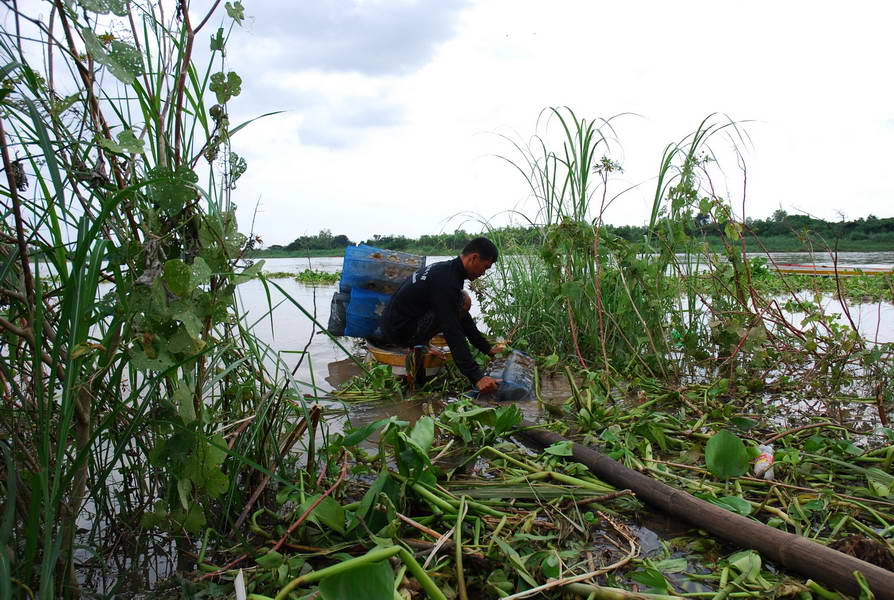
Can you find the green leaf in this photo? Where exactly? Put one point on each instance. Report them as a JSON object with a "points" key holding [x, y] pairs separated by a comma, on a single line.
{"points": [[562, 448], [329, 512], [122, 59], [104, 7], [507, 418], [178, 277], [734, 504], [653, 580], [879, 482], [201, 272], [217, 40], [371, 582], [172, 190], [725, 455], [183, 401], [225, 86], [127, 143], [271, 560], [516, 561], [250, 273], [141, 361], [236, 11], [424, 432]]}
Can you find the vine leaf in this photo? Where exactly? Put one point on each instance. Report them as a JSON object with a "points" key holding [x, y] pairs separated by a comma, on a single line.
{"points": [[225, 86], [122, 59], [127, 143], [104, 7], [236, 11]]}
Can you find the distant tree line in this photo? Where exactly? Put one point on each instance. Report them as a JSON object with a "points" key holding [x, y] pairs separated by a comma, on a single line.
{"points": [[784, 231]]}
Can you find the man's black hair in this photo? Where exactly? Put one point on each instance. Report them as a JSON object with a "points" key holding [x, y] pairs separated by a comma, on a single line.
{"points": [[483, 247]]}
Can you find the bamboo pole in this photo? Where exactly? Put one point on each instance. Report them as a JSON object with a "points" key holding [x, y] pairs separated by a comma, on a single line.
{"points": [[793, 552]]}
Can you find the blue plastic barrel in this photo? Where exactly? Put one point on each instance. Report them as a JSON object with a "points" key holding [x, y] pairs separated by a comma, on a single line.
{"points": [[377, 269], [365, 313]]}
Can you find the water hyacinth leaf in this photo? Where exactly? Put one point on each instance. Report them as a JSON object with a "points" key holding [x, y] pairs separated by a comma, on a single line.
{"points": [[881, 483], [725, 455], [734, 504], [328, 512], [127, 143], [507, 418], [122, 60], [424, 432], [653, 580], [371, 581], [560, 449], [355, 437], [225, 86]]}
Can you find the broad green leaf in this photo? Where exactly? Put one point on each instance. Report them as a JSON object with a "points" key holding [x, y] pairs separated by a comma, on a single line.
{"points": [[178, 277], [183, 401], [141, 361], [653, 580], [562, 448], [201, 272], [172, 190], [127, 143], [181, 342], [195, 519], [725, 455], [507, 418], [424, 432], [355, 437], [734, 504], [225, 86], [271, 560], [370, 581], [122, 59], [236, 11], [329, 512]]}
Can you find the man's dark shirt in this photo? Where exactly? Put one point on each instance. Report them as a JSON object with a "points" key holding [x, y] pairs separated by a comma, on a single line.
{"points": [[437, 288]]}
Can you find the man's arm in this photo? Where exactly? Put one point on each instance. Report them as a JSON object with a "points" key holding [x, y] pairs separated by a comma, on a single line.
{"points": [[470, 329], [444, 301]]}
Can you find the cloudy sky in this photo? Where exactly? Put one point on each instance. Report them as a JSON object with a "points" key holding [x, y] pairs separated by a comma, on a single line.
{"points": [[396, 110]]}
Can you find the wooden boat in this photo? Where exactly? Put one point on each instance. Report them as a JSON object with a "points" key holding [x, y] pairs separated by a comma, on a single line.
{"points": [[830, 270], [396, 357]]}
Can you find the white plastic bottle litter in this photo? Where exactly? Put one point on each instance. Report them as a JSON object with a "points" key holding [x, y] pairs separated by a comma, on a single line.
{"points": [[763, 465]]}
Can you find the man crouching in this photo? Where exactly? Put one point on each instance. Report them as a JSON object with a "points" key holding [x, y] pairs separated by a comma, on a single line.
{"points": [[432, 300]]}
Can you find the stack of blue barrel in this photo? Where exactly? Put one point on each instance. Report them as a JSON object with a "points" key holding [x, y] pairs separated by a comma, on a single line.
{"points": [[368, 278]]}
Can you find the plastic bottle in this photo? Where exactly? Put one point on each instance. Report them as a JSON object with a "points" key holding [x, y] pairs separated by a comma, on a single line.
{"points": [[516, 375], [763, 465]]}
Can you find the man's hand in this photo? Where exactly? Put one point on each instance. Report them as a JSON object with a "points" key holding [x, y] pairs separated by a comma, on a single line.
{"points": [[487, 384], [497, 349]]}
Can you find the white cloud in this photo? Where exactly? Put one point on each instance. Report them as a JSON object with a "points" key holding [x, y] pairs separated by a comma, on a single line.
{"points": [[394, 106]]}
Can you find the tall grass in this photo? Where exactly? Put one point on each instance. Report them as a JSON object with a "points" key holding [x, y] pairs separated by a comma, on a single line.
{"points": [[138, 414], [667, 306]]}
